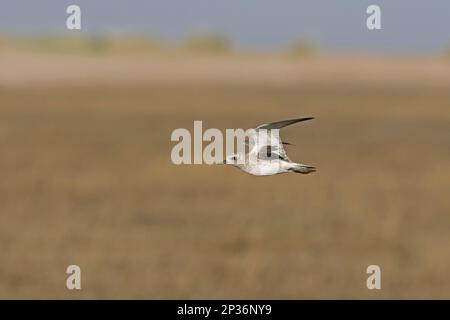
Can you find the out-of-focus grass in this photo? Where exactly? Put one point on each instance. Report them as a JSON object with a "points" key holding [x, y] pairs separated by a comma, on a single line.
{"points": [[198, 43], [447, 53], [204, 43], [302, 48], [80, 45], [87, 179]]}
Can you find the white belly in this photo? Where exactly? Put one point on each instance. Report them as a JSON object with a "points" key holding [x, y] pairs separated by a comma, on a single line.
{"points": [[267, 168]]}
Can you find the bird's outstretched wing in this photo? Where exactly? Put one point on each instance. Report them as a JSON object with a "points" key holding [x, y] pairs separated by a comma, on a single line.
{"points": [[266, 142], [282, 124]]}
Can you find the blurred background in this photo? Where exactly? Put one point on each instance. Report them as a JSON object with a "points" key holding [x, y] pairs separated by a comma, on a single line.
{"points": [[86, 175]]}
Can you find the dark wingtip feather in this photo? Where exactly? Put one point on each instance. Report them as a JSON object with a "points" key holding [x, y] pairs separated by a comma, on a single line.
{"points": [[282, 123]]}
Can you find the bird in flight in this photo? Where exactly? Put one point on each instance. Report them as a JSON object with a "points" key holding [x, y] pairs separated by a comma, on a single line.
{"points": [[266, 154]]}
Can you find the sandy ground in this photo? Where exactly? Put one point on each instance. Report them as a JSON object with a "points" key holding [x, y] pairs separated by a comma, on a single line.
{"points": [[44, 68]]}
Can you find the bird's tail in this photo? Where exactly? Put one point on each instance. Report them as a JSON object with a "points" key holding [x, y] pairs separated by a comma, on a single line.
{"points": [[302, 168]]}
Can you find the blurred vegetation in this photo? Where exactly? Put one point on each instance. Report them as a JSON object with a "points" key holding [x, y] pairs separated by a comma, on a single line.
{"points": [[302, 48], [74, 44], [207, 43], [98, 44], [447, 52], [197, 43]]}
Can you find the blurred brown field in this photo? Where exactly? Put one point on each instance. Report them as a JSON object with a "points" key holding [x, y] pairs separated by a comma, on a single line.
{"points": [[86, 177]]}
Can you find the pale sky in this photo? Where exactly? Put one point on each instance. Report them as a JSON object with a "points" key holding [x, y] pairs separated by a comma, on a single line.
{"points": [[414, 26]]}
